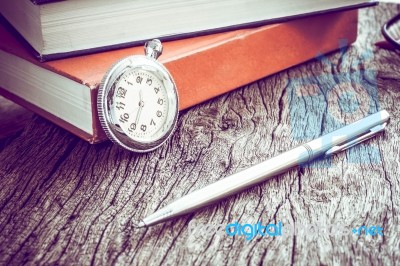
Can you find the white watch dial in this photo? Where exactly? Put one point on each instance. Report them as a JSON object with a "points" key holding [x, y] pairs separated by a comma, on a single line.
{"points": [[141, 105]]}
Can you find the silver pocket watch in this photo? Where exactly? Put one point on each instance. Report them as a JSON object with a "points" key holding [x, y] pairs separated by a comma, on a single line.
{"points": [[138, 101]]}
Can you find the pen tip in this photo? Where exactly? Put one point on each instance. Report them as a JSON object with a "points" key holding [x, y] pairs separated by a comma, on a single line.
{"points": [[140, 224]]}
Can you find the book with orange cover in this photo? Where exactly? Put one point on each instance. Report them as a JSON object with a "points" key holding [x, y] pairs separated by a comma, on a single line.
{"points": [[65, 91]]}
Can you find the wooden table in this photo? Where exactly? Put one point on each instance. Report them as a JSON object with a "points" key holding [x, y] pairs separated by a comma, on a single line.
{"points": [[64, 201]]}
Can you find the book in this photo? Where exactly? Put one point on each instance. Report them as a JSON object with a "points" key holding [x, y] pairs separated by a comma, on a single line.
{"points": [[75, 27], [65, 91]]}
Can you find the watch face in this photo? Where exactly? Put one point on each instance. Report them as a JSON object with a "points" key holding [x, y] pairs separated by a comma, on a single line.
{"points": [[141, 105], [138, 104]]}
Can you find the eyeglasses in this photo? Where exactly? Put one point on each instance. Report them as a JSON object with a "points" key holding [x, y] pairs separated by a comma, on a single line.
{"points": [[391, 31]]}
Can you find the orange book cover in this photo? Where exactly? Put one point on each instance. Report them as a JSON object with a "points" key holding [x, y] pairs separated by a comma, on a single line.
{"points": [[203, 67]]}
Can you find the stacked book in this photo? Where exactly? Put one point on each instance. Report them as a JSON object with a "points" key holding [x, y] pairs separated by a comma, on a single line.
{"points": [[54, 54]]}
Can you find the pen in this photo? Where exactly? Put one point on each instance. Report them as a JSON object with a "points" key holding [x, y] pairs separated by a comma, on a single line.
{"points": [[327, 145]]}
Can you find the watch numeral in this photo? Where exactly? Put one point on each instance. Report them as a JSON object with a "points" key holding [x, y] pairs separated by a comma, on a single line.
{"points": [[156, 89], [121, 92], [120, 105], [143, 127], [124, 118], [132, 127], [159, 113], [139, 80], [149, 81], [160, 101], [152, 123]]}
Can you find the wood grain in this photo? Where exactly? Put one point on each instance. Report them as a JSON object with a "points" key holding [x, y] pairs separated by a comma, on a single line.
{"points": [[12, 118], [66, 202]]}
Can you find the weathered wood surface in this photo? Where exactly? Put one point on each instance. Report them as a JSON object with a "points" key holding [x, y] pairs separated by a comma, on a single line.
{"points": [[13, 118], [63, 201]]}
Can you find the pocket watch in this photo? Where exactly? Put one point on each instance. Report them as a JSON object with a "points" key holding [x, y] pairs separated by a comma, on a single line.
{"points": [[138, 101]]}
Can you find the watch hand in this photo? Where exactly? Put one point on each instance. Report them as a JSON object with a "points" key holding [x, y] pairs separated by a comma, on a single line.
{"points": [[141, 105]]}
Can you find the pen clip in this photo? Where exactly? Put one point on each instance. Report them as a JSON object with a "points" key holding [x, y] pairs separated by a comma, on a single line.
{"points": [[372, 132]]}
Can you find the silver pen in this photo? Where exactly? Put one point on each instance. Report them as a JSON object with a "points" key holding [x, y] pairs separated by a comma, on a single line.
{"points": [[326, 145]]}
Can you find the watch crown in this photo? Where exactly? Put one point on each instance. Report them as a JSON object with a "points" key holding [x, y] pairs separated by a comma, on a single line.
{"points": [[153, 49]]}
